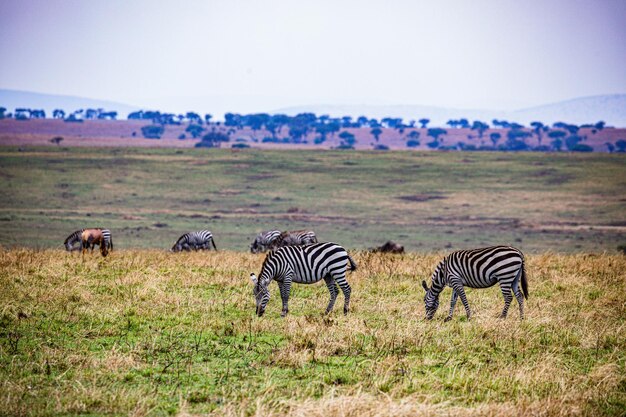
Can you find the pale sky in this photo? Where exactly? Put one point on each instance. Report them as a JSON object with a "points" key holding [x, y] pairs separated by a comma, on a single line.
{"points": [[262, 55]]}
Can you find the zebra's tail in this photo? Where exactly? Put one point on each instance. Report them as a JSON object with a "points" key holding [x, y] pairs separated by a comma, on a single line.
{"points": [[352, 263], [524, 281], [213, 242]]}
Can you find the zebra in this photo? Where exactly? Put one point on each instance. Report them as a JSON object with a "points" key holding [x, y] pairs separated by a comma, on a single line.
{"points": [[194, 240], [294, 238], [263, 241], [305, 265], [478, 268], [72, 240], [108, 239], [76, 237]]}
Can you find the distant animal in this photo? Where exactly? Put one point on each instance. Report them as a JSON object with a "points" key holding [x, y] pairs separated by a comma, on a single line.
{"points": [[389, 247], [92, 237], [202, 239], [293, 238], [264, 240], [76, 238], [73, 239], [305, 265], [478, 268]]}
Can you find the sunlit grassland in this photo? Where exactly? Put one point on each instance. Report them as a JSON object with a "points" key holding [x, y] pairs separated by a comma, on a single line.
{"points": [[423, 200], [143, 332]]}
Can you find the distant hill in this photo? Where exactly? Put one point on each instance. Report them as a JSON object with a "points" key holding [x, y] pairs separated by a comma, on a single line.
{"points": [[610, 108], [12, 99]]}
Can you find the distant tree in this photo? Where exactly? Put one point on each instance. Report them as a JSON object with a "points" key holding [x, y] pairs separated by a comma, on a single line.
{"points": [[600, 125], [413, 143], [58, 114], [557, 144], [56, 140], [514, 144], [22, 114], [213, 140], [610, 147], [537, 128], [480, 127], [424, 122], [195, 130], [362, 121], [435, 132], [193, 117], [91, 114], [232, 120], [571, 141], [376, 132], [463, 123], [621, 145], [381, 147], [413, 135], [136, 115], [152, 131], [557, 134], [452, 123], [207, 118], [495, 137], [581, 147], [3, 112], [347, 138]]}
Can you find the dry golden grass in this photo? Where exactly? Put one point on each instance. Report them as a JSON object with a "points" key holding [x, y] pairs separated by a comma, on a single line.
{"points": [[149, 332]]}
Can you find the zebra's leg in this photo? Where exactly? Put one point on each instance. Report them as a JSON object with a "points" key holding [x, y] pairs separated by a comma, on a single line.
{"points": [[520, 299], [457, 287], [508, 297], [345, 288], [285, 289], [333, 290], [452, 305]]}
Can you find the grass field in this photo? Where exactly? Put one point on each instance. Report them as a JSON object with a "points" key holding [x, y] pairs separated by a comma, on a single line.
{"points": [[423, 200], [144, 332]]}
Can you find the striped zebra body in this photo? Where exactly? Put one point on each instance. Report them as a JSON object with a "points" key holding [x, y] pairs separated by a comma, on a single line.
{"points": [[305, 265], [108, 239], [294, 238], [76, 237], [264, 240], [72, 240], [202, 239], [478, 268]]}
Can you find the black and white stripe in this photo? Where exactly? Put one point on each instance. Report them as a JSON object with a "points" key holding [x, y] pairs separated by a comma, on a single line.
{"points": [[72, 240], [478, 268], [76, 237], [294, 238], [304, 265], [202, 239], [264, 241], [108, 239]]}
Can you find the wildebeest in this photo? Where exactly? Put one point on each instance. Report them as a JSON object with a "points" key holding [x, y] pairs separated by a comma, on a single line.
{"points": [[74, 241], [389, 247], [92, 237]]}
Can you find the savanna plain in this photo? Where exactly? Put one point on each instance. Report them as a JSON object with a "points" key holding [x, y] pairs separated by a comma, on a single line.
{"points": [[148, 332]]}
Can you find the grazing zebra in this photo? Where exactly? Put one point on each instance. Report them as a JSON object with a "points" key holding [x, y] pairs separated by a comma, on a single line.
{"points": [[304, 265], [478, 268], [263, 241], [108, 239], [73, 239], [294, 238], [92, 237], [194, 240], [76, 238]]}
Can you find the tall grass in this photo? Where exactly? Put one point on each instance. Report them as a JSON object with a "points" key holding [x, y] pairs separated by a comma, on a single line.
{"points": [[150, 333]]}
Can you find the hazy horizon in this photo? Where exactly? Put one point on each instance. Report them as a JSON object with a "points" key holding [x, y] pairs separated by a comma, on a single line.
{"points": [[259, 56]]}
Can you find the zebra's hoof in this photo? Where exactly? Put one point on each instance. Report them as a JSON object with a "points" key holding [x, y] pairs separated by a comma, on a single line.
{"points": [[447, 319]]}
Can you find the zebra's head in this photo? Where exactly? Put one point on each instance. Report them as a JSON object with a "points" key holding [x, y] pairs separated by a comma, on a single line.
{"points": [[431, 301], [256, 246], [261, 294]]}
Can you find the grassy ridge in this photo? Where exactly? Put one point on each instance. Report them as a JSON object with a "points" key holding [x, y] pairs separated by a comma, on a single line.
{"points": [[145, 332], [426, 201]]}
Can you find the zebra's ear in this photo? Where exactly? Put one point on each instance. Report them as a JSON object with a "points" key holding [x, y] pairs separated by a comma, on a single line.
{"points": [[424, 285], [253, 278]]}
